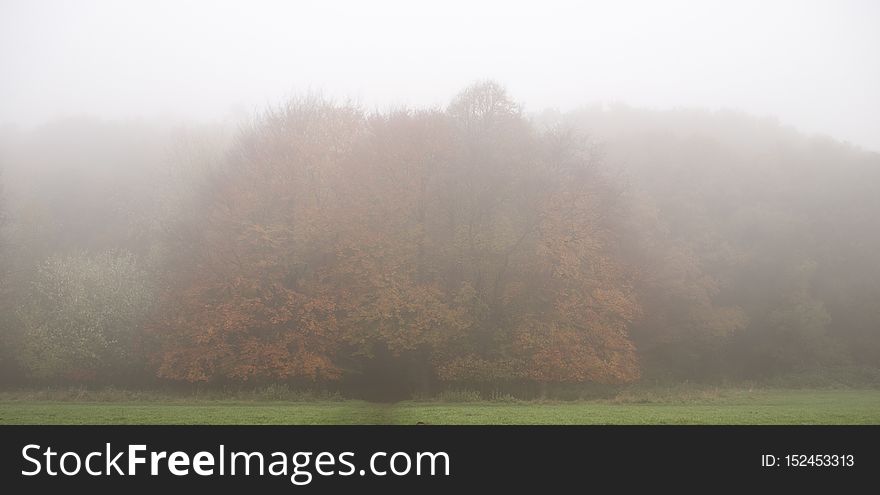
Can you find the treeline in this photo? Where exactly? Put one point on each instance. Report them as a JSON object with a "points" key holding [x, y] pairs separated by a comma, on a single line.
{"points": [[474, 244]]}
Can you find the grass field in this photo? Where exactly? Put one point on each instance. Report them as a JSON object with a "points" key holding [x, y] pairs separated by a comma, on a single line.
{"points": [[651, 407]]}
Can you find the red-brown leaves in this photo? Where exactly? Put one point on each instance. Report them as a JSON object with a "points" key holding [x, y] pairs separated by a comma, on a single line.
{"points": [[453, 235]]}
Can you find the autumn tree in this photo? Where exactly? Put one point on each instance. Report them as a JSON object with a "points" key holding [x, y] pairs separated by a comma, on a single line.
{"points": [[245, 299], [533, 222], [449, 241]]}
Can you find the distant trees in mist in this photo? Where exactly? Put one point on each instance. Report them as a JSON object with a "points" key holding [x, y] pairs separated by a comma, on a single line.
{"points": [[472, 244]]}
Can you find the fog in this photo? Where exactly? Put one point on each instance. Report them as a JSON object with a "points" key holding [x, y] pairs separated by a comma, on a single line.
{"points": [[391, 201], [813, 65]]}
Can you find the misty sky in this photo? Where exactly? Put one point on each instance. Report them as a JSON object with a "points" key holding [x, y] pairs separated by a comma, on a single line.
{"points": [[811, 64]]}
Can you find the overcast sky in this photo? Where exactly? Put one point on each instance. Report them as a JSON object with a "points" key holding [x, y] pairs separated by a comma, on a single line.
{"points": [[812, 64]]}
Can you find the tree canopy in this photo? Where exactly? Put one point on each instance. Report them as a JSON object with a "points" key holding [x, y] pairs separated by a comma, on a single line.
{"points": [[474, 243]]}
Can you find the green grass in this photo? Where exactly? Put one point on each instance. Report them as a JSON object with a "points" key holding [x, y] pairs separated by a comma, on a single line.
{"points": [[663, 406], [217, 413]]}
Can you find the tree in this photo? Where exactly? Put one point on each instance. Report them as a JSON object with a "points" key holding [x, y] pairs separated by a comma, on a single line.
{"points": [[754, 244], [431, 239], [552, 301], [82, 314], [244, 298]]}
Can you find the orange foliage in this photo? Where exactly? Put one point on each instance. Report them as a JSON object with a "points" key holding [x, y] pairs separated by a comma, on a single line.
{"points": [[463, 236]]}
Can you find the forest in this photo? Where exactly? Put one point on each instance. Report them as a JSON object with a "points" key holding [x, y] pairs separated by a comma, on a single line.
{"points": [[477, 244]]}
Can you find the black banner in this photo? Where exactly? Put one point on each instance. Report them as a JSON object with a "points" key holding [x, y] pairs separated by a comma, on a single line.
{"points": [[398, 459]]}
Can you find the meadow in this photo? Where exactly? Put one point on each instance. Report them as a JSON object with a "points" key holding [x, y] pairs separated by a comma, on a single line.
{"points": [[702, 406]]}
